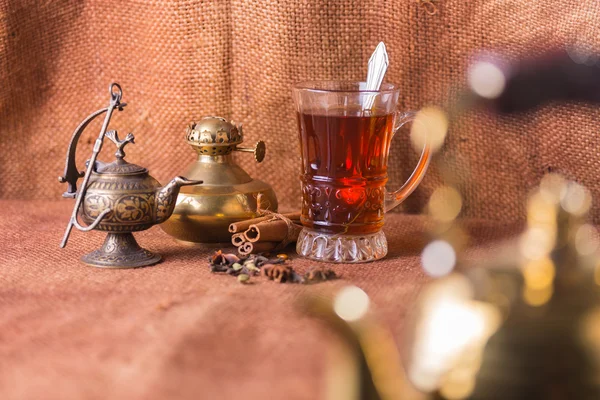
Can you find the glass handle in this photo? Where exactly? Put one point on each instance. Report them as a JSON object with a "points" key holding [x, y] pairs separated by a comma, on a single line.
{"points": [[393, 199]]}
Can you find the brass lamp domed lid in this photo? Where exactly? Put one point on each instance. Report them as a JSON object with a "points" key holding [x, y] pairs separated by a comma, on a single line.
{"points": [[214, 136]]}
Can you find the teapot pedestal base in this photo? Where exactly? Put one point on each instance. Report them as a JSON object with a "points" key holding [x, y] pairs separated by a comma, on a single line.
{"points": [[120, 250]]}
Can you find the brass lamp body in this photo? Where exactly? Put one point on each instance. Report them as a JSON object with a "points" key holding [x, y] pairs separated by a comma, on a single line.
{"points": [[229, 194]]}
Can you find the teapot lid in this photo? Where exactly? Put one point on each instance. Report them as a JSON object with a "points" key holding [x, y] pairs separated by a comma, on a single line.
{"points": [[120, 166]]}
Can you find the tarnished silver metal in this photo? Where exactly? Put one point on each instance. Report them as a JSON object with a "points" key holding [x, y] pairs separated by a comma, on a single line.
{"points": [[118, 198], [120, 250], [72, 174]]}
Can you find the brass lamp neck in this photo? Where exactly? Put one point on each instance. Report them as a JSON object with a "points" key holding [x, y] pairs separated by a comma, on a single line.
{"points": [[220, 159]]}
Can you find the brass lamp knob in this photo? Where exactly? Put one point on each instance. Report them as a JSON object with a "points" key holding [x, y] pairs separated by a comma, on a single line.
{"points": [[259, 150]]}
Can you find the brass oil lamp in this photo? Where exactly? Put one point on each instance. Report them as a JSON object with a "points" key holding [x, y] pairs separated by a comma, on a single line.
{"points": [[228, 194]]}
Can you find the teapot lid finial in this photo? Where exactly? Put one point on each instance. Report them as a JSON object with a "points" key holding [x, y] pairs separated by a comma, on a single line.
{"points": [[114, 137], [120, 166]]}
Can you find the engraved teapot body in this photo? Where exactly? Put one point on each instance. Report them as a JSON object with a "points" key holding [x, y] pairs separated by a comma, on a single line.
{"points": [[136, 200], [122, 198]]}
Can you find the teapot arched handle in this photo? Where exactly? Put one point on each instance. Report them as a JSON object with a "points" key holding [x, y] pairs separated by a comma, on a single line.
{"points": [[94, 224], [72, 174]]}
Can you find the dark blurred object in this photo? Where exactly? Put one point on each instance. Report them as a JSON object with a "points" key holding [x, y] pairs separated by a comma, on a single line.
{"points": [[565, 75]]}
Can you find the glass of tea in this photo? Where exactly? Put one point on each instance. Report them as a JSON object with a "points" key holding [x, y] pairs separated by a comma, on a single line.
{"points": [[345, 133]]}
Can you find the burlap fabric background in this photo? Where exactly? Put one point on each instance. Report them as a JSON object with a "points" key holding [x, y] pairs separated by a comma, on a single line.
{"points": [[179, 60], [175, 330]]}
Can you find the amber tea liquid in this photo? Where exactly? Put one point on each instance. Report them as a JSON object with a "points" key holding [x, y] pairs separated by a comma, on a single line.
{"points": [[344, 171]]}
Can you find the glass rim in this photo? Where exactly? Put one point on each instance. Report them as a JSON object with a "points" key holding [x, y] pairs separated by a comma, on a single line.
{"points": [[322, 87]]}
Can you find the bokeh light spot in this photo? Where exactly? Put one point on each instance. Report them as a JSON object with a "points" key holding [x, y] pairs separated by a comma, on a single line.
{"points": [[438, 258], [430, 126], [575, 199], [351, 303], [445, 204], [486, 79]]}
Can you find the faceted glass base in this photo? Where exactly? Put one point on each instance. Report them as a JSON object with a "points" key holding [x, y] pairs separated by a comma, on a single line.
{"points": [[341, 248]]}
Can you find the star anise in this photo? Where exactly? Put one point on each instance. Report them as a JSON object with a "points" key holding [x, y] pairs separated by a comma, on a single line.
{"points": [[281, 273], [277, 272], [318, 274], [223, 259]]}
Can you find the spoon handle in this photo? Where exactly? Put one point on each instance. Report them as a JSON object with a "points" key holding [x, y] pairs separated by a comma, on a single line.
{"points": [[378, 64]]}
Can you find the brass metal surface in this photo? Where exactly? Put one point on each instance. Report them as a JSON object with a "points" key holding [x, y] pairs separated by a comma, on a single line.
{"points": [[212, 133], [259, 150], [228, 194], [118, 198]]}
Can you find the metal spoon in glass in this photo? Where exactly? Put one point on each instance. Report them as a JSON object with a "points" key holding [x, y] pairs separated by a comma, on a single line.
{"points": [[378, 64]]}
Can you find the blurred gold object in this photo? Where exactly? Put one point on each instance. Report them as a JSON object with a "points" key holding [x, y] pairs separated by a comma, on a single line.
{"points": [[203, 213], [365, 363], [525, 324]]}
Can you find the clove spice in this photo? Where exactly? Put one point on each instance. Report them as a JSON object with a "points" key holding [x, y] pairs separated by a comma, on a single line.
{"points": [[276, 269]]}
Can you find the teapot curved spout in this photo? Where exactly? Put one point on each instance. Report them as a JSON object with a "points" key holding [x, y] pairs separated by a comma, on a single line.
{"points": [[167, 196]]}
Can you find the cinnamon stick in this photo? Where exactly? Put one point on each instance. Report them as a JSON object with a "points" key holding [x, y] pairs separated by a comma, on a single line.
{"points": [[259, 247], [241, 226], [238, 239], [271, 231]]}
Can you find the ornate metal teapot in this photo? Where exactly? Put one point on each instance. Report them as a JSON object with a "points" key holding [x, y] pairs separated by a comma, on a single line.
{"points": [[118, 198]]}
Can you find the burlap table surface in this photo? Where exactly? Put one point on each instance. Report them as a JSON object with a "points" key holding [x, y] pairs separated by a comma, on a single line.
{"points": [[174, 330]]}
